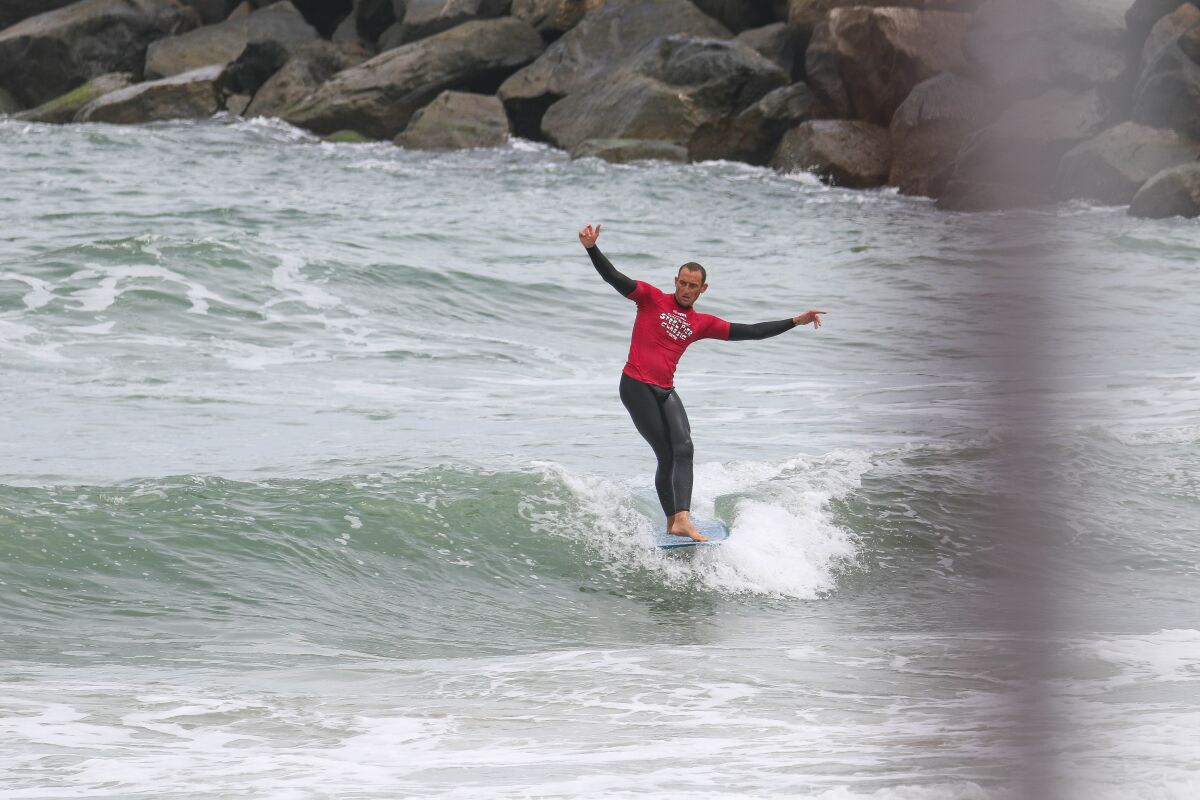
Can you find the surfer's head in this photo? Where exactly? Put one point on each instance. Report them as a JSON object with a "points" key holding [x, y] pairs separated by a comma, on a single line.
{"points": [[690, 283]]}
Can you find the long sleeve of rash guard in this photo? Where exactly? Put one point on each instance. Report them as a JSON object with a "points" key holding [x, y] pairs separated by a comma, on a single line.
{"points": [[622, 283], [760, 330]]}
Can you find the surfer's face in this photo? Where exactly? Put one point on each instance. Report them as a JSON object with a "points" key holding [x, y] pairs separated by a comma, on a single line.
{"points": [[688, 287]]}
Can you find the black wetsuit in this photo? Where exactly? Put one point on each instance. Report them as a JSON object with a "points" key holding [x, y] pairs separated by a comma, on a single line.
{"points": [[658, 413]]}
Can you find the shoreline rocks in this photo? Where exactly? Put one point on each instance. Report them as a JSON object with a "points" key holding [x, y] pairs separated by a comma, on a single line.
{"points": [[50, 54], [190, 95], [379, 96], [279, 23], [850, 153], [456, 121], [979, 104]]}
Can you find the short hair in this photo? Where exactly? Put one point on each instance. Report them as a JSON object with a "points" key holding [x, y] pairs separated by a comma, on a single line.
{"points": [[692, 265]]}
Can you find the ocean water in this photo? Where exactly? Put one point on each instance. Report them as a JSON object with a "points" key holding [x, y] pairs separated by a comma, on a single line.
{"points": [[314, 483]]}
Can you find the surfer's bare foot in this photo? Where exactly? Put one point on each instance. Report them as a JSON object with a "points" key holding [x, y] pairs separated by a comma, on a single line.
{"points": [[681, 525]]}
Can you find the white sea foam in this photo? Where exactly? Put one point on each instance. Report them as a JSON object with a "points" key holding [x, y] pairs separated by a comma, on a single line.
{"points": [[40, 292], [783, 541]]}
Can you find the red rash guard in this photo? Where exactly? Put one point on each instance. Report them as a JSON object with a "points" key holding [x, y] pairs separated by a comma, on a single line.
{"points": [[662, 331]]}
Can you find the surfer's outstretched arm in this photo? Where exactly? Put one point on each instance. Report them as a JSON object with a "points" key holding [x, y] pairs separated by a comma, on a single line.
{"points": [[622, 283], [739, 332]]}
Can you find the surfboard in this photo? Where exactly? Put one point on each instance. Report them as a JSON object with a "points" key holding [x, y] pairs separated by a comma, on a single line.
{"points": [[714, 529]]}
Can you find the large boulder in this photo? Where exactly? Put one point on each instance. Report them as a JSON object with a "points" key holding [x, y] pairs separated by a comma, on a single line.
{"points": [[930, 126], [823, 72], [672, 86], [623, 151], [1024, 47], [280, 23], [553, 18], [593, 49], [50, 54], [778, 43], [300, 76], [752, 134], [424, 18], [457, 121], [13, 11], [190, 95], [849, 153], [1112, 167], [805, 15], [1171, 193], [1016, 157], [885, 52], [1167, 94], [63, 109], [379, 97]]}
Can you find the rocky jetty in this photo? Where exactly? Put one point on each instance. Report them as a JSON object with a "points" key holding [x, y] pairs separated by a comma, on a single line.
{"points": [[977, 104]]}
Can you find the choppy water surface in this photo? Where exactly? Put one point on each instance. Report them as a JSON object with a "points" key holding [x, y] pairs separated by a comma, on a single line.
{"points": [[314, 482]]}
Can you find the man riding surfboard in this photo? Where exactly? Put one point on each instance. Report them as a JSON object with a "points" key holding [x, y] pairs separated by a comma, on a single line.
{"points": [[664, 327]]}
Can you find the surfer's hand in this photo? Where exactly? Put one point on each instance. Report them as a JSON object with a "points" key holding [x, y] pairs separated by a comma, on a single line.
{"points": [[807, 317], [588, 236]]}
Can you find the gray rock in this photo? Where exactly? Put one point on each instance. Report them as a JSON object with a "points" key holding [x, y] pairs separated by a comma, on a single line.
{"points": [[849, 153], [753, 134], [50, 54], [672, 86], [738, 15], [823, 72], [237, 103], [930, 127], [623, 151], [63, 109], [553, 18], [220, 44], [379, 97], [302, 75], [777, 43], [13, 11], [885, 52], [1171, 193], [1021, 150], [392, 37], [593, 49], [426, 17], [1167, 94], [457, 121], [190, 95], [1112, 167]]}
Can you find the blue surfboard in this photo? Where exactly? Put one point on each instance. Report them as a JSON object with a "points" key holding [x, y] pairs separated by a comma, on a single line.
{"points": [[714, 529]]}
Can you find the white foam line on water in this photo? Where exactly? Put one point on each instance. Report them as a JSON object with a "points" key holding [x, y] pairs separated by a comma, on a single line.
{"points": [[109, 288], [289, 279], [40, 292]]}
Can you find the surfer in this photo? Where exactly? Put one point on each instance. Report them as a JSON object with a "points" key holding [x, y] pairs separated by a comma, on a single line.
{"points": [[665, 325]]}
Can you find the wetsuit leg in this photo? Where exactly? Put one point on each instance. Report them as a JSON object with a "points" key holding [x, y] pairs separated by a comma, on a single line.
{"points": [[679, 432], [660, 418]]}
